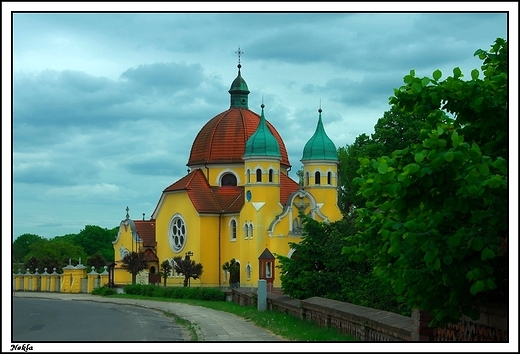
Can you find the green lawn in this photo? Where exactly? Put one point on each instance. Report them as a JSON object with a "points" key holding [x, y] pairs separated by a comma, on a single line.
{"points": [[289, 327]]}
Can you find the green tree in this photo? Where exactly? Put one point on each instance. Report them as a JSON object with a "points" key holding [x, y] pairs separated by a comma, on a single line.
{"points": [[232, 267], [396, 130], [95, 239], [188, 268], [317, 268], [53, 253], [166, 268], [97, 261], [22, 244], [436, 218], [133, 263], [299, 174]]}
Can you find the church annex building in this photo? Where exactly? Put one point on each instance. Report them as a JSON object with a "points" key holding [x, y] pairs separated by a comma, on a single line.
{"points": [[237, 201]]}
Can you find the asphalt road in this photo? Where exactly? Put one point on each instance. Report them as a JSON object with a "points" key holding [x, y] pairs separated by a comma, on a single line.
{"points": [[46, 320]]}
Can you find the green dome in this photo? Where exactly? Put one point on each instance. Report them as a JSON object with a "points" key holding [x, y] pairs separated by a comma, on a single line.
{"points": [[239, 92], [319, 146], [262, 142]]}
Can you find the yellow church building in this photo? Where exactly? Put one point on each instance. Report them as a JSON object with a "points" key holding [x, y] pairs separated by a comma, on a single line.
{"points": [[237, 201]]}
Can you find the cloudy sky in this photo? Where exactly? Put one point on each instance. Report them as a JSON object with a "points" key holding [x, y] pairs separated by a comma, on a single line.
{"points": [[107, 105]]}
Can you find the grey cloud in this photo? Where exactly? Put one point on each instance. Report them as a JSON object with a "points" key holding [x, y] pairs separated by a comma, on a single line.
{"points": [[371, 89], [169, 76]]}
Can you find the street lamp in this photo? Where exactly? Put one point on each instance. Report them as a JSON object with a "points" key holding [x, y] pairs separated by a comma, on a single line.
{"points": [[187, 257]]}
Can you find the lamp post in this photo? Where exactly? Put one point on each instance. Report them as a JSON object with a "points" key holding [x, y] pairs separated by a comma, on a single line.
{"points": [[187, 257]]}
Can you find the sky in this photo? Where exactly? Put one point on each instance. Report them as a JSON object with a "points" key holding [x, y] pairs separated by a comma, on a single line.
{"points": [[106, 106]]}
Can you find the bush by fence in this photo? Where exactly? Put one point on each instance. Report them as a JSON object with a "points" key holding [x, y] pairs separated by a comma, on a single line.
{"points": [[198, 293]]}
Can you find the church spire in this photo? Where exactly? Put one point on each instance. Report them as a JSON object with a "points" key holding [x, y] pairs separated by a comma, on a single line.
{"points": [[239, 90], [262, 142], [319, 146]]}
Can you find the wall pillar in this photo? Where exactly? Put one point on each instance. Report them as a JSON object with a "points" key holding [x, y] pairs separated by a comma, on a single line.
{"points": [[37, 281], [26, 277], [421, 332], [45, 284], [104, 277], [92, 277], [55, 281], [18, 280]]}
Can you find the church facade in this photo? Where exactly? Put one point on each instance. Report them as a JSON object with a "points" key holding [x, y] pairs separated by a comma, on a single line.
{"points": [[236, 202]]}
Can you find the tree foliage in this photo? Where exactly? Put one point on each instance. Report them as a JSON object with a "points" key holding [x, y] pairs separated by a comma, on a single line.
{"points": [[95, 239], [134, 262], [97, 261], [165, 270], [54, 253], [317, 268], [436, 218], [188, 268], [396, 130], [22, 244], [51, 253]]}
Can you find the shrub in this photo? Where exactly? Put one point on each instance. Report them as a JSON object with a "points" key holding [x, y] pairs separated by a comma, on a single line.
{"points": [[103, 291], [198, 293]]}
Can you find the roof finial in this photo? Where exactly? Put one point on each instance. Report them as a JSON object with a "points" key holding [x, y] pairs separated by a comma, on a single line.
{"points": [[239, 52], [319, 110], [127, 216], [262, 105]]}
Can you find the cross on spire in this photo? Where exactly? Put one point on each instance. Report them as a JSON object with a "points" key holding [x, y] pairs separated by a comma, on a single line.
{"points": [[127, 216], [239, 52]]}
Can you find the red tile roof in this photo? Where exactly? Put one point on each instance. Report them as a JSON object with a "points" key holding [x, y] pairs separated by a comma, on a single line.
{"points": [[146, 231], [230, 198], [223, 138], [224, 199], [287, 187], [208, 199]]}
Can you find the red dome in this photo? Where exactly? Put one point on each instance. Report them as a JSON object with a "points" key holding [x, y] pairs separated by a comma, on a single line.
{"points": [[223, 138]]}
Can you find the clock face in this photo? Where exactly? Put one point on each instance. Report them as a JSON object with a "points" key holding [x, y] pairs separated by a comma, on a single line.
{"points": [[249, 195]]}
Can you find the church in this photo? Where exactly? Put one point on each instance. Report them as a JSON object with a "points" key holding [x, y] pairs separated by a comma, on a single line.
{"points": [[236, 202]]}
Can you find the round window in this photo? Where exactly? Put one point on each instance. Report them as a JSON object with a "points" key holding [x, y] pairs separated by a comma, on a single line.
{"points": [[177, 233]]}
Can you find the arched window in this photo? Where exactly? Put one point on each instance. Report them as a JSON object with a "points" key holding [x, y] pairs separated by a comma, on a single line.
{"points": [[329, 177], [233, 226], [177, 233], [248, 176], [259, 175], [307, 178], [251, 230], [246, 231], [271, 175], [248, 271], [228, 179], [317, 178]]}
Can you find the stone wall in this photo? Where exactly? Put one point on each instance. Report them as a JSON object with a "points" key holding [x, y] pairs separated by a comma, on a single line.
{"points": [[363, 323], [373, 325]]}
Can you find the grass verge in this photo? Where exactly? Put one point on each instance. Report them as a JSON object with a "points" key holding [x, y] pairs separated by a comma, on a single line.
{"points": [[184, 323], [291, 328]]}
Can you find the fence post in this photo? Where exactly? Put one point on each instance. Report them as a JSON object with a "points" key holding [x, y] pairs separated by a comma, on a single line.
{"points": [[262, 295]]}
